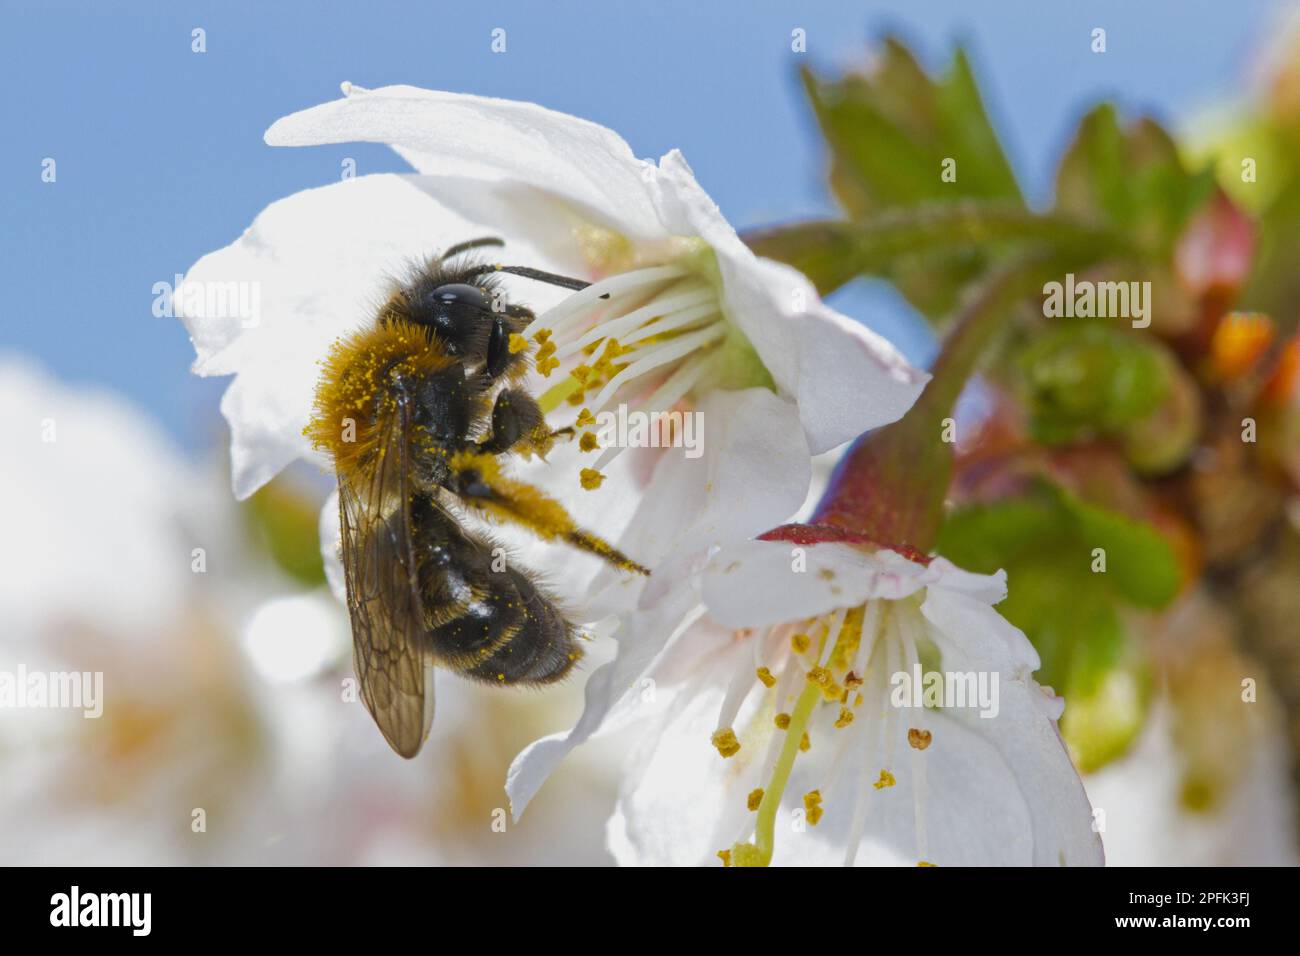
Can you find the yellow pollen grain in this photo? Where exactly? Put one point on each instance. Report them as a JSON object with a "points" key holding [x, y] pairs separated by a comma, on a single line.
{"points": [[812, 805], [726, 742], [590, 478], [800, 643], [755, 798], [857, 701], [783, 721], [581, 374], [588, 442], [845, 718], [585, 418], [766, 677], [517, 343], [886, 780], [919, 739], [543, 335], [925, 863], [805, 742], [819, 676], [852, 680], [725, 857], [545, 366]]}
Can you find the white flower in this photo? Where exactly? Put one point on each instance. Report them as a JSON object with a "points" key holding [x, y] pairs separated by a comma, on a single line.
{"points": [[681, 313], [781, 728]]}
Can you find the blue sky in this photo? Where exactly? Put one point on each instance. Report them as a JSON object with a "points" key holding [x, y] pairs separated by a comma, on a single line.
{"points": [[160, 154]]}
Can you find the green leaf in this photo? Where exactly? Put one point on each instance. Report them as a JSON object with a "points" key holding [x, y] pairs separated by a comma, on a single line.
{"points": [[890, 132], [1140, 563], [891, 129], [1131, 181], [1086, 378]]}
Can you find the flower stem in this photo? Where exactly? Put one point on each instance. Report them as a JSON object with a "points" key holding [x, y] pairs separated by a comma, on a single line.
{"points": [[892, 482]]}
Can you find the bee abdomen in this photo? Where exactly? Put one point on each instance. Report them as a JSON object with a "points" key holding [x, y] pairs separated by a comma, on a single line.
{"points": [[539, 646], [484, 617]]}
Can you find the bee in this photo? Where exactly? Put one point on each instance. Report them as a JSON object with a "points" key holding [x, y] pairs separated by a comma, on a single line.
{"points": [[417, 411]]}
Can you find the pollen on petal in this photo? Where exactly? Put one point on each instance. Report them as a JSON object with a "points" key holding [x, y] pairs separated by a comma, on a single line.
{"points": [[755, 798], [783, 721], [925, 863], [588, 442], [766, 677], [845, 718], [805, 742], [590, 478], [517, 343], [725, 857], [886, 780], [726, 742], [919, 739], [800, 643], [585, 418]]}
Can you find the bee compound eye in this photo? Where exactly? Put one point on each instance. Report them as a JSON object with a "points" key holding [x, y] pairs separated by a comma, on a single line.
{"points": [[461, 294]]}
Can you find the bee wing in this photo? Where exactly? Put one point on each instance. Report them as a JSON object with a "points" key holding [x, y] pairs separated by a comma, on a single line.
{"points": [[394, 669]]}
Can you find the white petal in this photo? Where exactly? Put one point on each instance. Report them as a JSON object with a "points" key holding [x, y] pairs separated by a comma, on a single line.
{"points": [[1024, 739], [754, 473], [640, 640], [845, 378], [850, 378], [458, 136], [973, 635], [998, 792], [315, 265], [679, 800], [760, 583]]}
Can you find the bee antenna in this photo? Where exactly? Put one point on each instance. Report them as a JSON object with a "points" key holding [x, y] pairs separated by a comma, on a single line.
{"points": [[550, 278], [461, 247]]}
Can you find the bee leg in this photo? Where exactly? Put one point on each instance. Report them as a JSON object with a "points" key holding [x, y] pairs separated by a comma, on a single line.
{"points": [[516, 418], [476, 478]]}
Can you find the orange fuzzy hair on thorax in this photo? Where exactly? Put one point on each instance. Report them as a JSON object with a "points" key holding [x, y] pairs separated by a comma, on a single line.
{"points": [[355, 397]]}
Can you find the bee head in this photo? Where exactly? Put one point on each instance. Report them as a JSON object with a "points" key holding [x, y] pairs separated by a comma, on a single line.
{"points": [[458, 314]]}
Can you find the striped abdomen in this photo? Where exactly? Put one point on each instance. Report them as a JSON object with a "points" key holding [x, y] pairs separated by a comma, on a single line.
{"points": [[485, 618]]}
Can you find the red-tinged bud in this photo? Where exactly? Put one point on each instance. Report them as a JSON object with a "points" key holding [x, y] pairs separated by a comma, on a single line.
{"points": [[892, 483], [1215, 251]]}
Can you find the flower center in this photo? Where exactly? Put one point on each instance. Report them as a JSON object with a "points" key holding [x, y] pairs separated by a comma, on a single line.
{"points": [[643, 339], [833, 695]]}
